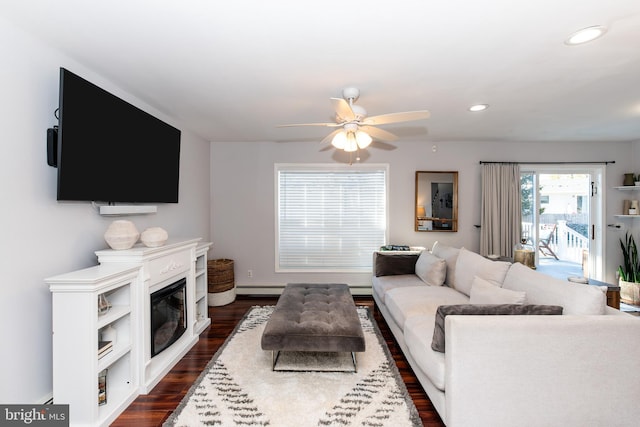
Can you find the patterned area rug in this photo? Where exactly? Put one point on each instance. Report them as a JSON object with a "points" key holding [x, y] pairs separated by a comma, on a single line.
{"points": [[238, 387]]}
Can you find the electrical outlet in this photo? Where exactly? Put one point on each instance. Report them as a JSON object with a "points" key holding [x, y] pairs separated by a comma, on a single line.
{"points": [[249, 273]]}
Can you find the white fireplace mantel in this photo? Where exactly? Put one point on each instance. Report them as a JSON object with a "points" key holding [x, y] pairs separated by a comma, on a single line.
{"points": [[126, 278], [160, 267]]}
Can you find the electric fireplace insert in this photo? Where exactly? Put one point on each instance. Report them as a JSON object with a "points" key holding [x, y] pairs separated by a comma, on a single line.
{"points": [[168, 315]]}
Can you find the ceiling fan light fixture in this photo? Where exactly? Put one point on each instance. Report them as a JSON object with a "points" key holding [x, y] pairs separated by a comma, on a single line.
{"points": [[352, 144], [339, 140], [585, 35], [353, 129], [363, 139]]}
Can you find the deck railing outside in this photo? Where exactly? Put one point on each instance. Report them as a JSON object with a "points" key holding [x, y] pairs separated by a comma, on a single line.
{"points": [[565, 242]]}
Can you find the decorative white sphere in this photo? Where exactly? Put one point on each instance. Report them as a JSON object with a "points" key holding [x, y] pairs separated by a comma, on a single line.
{"points": [[121, 234], [154, 237]]}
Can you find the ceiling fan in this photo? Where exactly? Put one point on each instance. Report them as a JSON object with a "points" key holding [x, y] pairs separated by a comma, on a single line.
{"points": [[354, 129]]}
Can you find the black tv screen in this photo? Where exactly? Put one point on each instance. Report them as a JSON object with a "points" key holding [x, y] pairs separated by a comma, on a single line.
{"points": [[112, 151]]}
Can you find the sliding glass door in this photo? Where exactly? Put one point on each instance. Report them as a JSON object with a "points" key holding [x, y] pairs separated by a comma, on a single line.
{"points": [[562, 218]]}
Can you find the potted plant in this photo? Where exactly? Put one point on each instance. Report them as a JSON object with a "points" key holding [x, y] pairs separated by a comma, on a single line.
{"points": [[629, 272]]}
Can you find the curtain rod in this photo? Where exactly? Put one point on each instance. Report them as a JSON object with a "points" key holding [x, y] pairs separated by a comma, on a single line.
{"points": [[605, 162]]}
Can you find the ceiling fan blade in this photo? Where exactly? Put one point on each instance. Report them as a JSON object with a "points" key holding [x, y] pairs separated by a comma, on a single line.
{"points": [[343, 109], [328, 138], [383, 146], [396, 117], [333, 125], [379, 134]]}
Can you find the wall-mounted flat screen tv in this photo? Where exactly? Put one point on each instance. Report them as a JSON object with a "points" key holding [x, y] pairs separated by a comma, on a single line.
{"points": [[111, 151]]}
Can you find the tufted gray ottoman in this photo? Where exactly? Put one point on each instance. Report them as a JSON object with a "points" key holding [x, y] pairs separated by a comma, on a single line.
{"points": [[314, 317]]}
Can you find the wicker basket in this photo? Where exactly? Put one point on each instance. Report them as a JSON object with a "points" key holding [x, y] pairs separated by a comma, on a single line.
{"points": [[629, 292], [220, 275]]}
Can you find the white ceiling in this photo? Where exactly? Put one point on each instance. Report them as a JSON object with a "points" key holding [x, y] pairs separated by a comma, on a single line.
{"points": [[232, 70]]}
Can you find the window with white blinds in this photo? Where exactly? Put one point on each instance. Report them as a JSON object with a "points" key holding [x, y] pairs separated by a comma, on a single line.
{"points": [[330, 218]]}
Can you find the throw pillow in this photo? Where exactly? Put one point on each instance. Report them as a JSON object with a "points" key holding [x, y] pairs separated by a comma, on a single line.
{"points": [[471, 264], [431, 269], [483, 292], [449, 255], [395, 264], [542, 289], [438, 343]]}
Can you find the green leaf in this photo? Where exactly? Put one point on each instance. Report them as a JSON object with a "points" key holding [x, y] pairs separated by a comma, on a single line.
{"points": [[630, 270]]}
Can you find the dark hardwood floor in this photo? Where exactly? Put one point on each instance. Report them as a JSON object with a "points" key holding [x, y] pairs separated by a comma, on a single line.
{"points": [[153, 409]]}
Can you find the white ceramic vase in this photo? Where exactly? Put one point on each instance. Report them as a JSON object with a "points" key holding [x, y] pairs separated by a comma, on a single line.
{"points": [[154, 237], [121, 234]]}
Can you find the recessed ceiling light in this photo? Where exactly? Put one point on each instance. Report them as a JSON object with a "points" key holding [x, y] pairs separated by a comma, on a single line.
{"points": [[585, 35], [478, 107]]}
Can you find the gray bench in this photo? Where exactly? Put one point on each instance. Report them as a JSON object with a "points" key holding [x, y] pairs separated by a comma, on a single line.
{"points": [[314, 317]]}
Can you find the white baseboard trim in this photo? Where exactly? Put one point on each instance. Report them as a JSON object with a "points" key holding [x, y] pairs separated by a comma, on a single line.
{"points": [[277, 290]]}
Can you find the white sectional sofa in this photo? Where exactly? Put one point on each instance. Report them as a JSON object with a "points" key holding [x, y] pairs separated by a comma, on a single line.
{"points": [[581, 368]]}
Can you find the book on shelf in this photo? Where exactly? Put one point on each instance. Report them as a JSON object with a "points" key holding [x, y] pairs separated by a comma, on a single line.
{"points": [[102, 387], [104, 347]]}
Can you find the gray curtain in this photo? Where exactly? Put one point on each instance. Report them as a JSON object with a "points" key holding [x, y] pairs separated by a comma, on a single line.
{"points": [[501, 212]]}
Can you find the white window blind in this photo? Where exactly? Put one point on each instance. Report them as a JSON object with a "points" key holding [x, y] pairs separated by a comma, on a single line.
{"points": [[330, 218]]}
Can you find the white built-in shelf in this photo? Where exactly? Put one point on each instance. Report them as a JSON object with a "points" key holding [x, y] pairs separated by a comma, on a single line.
{"points": [[77, 328], [202, 319], [126, 278], [627, 188], [116, 354], [116, 312]]}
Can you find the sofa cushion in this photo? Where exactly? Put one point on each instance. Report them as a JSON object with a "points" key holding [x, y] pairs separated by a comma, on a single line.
{"points": [[483, 292], [450, 255], [443, 311], [418, 331], [406, 302], [431, 269], [394, 264], [381, 285], [471, 264], [576, 298]]}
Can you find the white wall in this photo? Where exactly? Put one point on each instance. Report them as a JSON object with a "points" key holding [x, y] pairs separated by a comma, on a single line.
{"points": [[41, 237], [242, 186], [635, 168]]}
